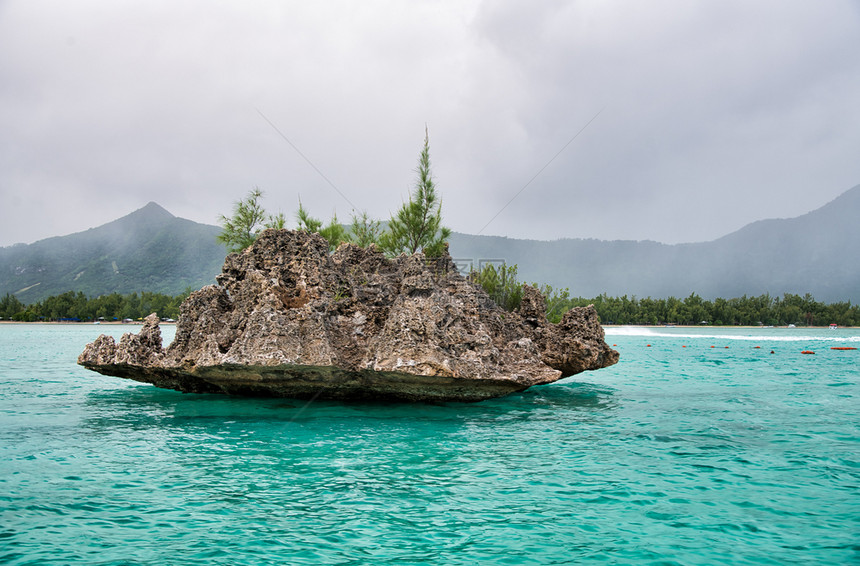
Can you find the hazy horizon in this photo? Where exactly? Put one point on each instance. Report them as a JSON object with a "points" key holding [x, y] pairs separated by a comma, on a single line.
{"points": [[346, 222]]}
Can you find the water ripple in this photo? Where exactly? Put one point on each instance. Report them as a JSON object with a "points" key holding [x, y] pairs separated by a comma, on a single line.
{"points": [[698, 457]]}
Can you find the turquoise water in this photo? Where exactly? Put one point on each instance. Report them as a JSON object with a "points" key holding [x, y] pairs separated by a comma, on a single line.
{"points": [[677, 455]]}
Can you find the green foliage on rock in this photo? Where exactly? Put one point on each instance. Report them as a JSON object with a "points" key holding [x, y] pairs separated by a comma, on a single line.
{"points": [[501, 284], [365, 231], [417, 225], [334, 231], [556, 301], [248, 220], [305, 221]]}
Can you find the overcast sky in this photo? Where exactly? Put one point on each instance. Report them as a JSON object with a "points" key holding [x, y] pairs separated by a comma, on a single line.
{"points": [[709, 115]]}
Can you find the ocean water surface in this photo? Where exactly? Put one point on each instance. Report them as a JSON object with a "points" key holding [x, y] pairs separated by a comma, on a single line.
{"points": [[701, 446]]}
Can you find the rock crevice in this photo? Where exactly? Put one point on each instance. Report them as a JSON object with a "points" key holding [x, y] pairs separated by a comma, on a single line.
{"points": [[287, 318]]}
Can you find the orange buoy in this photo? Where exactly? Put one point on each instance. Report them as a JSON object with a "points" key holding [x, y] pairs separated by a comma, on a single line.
{"points": [[727, 347], [843, 348], [756, 347], [647, 345], [807, 352], [713, 346]]}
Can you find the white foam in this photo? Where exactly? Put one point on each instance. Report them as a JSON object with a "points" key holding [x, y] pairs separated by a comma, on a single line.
{"points": [[629, 331], [778, 335]]}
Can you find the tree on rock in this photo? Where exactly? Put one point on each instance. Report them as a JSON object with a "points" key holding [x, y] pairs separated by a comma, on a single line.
{"points": [[334, 232], [418, 223], [248, 220], [365, 230]]}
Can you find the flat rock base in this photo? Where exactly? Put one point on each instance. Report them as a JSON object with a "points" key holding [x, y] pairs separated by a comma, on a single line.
{"points": [[315, 382]]}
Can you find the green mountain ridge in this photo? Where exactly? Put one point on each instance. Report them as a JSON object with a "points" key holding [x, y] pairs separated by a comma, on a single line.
{"points": [[152, 250], [147, 250], [814, 253]]}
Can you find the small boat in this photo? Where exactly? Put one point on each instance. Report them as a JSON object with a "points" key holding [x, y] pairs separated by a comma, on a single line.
{"points": [[833, 327]]}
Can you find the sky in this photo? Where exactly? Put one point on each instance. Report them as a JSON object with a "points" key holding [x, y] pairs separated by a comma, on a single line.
{"points": [[675, 121]]}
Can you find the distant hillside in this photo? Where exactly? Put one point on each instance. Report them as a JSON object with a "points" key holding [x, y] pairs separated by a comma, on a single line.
{"points": [[148, 250], [815, 253], [152, 250]]}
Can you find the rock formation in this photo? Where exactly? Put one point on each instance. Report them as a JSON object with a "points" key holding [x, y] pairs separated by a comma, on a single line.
{"points": [[289, 319]]}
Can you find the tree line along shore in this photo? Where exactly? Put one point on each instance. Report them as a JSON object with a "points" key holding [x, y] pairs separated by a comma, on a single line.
{"points": [[74, 306], [693, 310], [740, 311]]}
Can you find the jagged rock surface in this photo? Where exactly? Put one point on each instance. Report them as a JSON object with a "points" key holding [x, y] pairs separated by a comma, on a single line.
{"points": [[289, 319]]}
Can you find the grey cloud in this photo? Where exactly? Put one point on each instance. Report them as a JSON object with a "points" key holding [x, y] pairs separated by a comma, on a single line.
{"points": [[715, 113]]}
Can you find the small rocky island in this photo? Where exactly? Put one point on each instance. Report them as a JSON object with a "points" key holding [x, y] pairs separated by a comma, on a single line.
{"points": [[289, 319]]}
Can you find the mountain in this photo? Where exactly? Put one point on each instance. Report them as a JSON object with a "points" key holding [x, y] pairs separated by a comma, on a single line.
{"points": [[148, 250], [815, 253], [152, 250]]}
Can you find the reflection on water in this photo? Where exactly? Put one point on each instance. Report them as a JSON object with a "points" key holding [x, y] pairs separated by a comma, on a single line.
{"points": [[146, 407]]}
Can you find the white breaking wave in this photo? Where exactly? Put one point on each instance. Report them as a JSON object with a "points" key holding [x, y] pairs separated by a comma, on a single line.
{"points": [[778, 335], [630, 331]]}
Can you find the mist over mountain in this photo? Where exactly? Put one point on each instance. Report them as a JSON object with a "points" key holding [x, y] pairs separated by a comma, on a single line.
{"points": [[814, 253], [152, 250], [147, 250]]}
